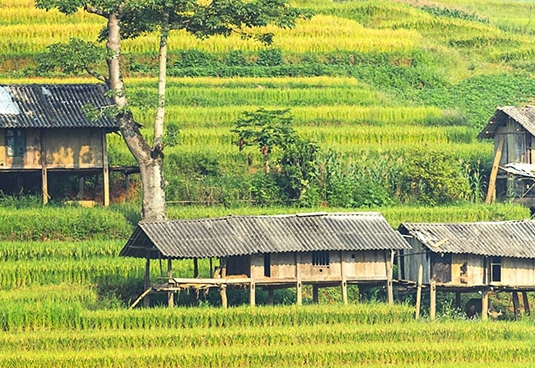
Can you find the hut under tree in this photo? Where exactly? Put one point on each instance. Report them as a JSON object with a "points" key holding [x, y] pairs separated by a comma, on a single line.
{"points": [[282, 251], [513, 170], [471, 257], [44, 131]]}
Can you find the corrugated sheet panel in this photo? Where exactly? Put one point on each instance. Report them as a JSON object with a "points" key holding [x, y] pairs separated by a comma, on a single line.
{"points": [[243, 235], [525, 116], [505, 238], [52, 106]]}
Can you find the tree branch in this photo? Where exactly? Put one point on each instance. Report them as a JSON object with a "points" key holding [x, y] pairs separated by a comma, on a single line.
{"points": [[94, 10]]}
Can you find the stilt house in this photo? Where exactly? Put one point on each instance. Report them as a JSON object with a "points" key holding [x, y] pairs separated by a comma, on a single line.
{"points": [[43, 129], [513, 171], [280, 251], [468, 257]]}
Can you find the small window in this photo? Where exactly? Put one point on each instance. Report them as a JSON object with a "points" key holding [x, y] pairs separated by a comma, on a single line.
{"points": [[496, 269], [320, 258], [267, 265], [15, 142]]}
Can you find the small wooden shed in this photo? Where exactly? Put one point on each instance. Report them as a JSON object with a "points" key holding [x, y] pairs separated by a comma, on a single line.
{"points": [[43, 129], [321, 249], [467, 257], [513, 171]]}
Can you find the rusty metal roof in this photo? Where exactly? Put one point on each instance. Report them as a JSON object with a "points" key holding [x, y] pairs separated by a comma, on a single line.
{"points": [[504, 238], [244, 235], [525, 116], [52, 106]]}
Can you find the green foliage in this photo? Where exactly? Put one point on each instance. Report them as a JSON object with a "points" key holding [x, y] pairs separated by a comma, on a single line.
{"points": [[433, 178], [453, 13], [270, 57]]}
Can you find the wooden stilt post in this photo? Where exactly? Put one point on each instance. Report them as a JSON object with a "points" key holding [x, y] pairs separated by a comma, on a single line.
{"points": [[146, 301], [315, 294], [389, 277], [299, 286], [432, 299], [485, 305], [344, 278], [525, 300], [223, 293], [271, 297], [458, 300], [252, 293], [170, 294], [195, 268], [419, 292], [211, 268], [105, 171], [516, 304], [344, 290], [44, 172]]}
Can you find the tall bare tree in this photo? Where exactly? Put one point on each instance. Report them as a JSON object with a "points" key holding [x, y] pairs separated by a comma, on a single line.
{"points": [[132, 18]]}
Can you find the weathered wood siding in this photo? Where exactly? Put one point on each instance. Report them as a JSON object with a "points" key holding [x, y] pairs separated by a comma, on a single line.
{"points": [[77, 148], [468, 269], [413, 258], [362, 265], [517, 272], [32, 157], [64, 148], [516, 144]]}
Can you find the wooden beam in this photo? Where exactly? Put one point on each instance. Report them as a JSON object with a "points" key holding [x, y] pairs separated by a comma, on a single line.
{"points": [[140, 297], [491, 193]]}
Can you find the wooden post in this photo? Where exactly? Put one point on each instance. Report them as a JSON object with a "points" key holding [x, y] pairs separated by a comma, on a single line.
{"points": [[252, 293], [458, 300], [223, 266], [419, 292], [299, 286], [105, 171], [315, 294], [389, 277], [146, 301], [525, 300], [44, 173], [211, 268], [516, 304], [432, 299], [485, 305], [170, 294], [195, 268], [223, 293], [81, 188], [271, 297], [491, 193], [344, 290], [344, 279]]}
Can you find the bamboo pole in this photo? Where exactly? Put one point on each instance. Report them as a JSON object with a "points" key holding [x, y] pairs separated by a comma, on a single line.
{"points": [[146, 301], [252, 293], [390, 275]]}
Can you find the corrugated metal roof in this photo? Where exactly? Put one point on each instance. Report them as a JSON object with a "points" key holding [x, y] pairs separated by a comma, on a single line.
{"points": [[525, 116], [244, 235], [505, 238], [52, 106]]}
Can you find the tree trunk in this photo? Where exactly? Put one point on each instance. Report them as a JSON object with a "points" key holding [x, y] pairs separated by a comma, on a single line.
{"points": [[150, 161]]}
